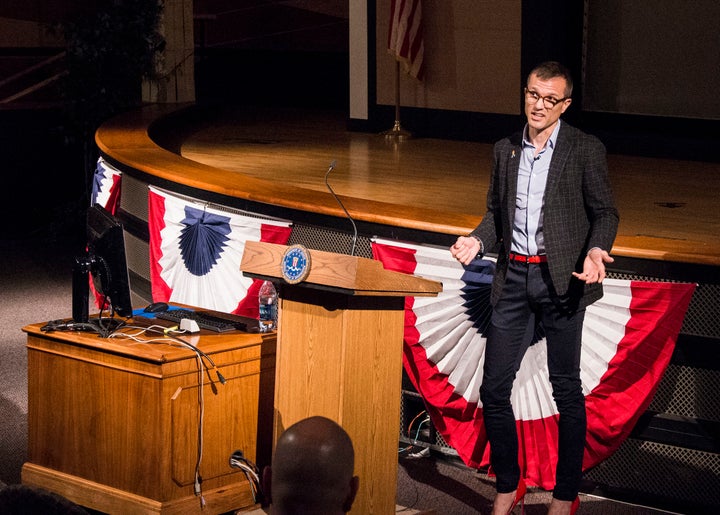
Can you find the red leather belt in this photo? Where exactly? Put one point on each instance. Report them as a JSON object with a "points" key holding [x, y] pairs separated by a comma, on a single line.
{"points": [[528, 259]]}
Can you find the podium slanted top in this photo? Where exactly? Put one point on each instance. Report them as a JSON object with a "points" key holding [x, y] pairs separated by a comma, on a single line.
{"points": [[329, 270]]}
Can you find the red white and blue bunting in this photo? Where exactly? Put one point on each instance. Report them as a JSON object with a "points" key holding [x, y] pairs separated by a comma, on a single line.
{"points": [[628, 340], [106, 192], [196, 249], [106, 186]]}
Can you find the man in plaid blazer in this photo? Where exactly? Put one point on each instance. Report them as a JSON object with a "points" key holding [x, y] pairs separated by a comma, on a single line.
{"points": [[551, 218]]}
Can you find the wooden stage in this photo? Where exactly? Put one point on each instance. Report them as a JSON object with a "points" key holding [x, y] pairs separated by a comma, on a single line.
{"points": [[668, 208]]}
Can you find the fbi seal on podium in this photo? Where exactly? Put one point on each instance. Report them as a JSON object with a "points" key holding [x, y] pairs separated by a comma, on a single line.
{"points": [[295, 264]]}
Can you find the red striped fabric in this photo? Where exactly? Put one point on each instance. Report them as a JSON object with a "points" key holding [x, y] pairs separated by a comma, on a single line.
{"points": [[106, 189], [190, 268], [628, 338], [405, 37]]}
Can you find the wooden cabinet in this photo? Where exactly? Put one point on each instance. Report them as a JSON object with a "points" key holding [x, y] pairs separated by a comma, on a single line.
{"points": [[119, 426]]}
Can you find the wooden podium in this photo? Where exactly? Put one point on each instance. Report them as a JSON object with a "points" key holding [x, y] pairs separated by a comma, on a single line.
{"points": [[113, 424], [339, 355]]}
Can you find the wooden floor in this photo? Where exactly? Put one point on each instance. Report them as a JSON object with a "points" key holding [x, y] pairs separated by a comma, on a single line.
{"points": [[668, 208], [297, 149]]}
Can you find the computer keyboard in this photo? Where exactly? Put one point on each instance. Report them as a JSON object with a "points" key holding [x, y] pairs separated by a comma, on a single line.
{"points": [[207, 321]]}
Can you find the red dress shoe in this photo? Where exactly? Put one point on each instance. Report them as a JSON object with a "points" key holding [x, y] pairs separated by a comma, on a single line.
{"points": [[520, 496]]}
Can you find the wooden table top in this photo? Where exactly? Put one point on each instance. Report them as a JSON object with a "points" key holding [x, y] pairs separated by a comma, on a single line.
{"points": [[152, 347]]}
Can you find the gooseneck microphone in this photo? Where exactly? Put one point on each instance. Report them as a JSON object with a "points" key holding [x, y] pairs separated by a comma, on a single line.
{"points": [[355, 231]]}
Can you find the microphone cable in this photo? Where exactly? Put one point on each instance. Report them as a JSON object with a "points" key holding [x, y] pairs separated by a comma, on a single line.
{"points": [[337, 199]]}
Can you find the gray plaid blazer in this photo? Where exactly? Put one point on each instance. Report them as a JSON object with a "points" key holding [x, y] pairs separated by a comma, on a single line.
{"points": [[579, 212]]}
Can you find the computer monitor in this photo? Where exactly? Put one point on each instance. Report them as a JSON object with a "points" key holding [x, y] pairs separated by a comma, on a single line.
{"points": [[106, 264]]}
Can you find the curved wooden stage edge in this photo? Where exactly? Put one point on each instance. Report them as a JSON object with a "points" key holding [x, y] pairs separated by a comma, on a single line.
{"points": [[275, 160]]}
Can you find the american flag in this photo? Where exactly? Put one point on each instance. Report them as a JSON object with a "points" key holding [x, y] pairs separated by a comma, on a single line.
{"points": [[405, 37]]}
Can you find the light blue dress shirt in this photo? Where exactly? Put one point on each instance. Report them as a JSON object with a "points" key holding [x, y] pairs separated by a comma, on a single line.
{"points": [[532, 178]]}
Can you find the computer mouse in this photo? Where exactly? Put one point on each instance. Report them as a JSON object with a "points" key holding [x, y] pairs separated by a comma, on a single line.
{"points": [[156, 307]]}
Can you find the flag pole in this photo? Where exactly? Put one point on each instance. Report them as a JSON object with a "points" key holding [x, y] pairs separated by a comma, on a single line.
{"points": [[397, 132]]}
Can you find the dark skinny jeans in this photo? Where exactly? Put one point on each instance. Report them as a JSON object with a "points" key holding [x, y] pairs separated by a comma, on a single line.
{"points": [[527, 296]]}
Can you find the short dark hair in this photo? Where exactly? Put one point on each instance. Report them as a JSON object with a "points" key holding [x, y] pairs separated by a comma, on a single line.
{"points": [[312, 468], [552, 69]]}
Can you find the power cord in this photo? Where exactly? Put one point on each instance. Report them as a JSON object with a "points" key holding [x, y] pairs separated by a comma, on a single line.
{"points": [[424, 451], [252, 473], [103, 327], [166, 335]]}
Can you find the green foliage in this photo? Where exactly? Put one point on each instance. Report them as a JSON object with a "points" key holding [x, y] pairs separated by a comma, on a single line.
{"points": [[110, 50]]}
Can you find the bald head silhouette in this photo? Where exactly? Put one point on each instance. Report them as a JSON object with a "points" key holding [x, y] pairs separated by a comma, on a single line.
{"points": [[312, 470]]}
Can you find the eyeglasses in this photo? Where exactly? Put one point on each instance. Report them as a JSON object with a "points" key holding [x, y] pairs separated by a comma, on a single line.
{"points": [[532, 97]]}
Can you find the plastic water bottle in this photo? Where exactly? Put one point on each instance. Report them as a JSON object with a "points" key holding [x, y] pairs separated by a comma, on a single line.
{"points": [[268, 303]]}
